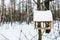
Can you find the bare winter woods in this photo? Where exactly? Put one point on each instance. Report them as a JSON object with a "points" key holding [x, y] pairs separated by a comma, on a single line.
{"points": [[20, 12], [23, 10]]}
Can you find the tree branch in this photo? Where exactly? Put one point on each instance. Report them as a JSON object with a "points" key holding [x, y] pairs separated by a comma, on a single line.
{"points": [[35, 1]]}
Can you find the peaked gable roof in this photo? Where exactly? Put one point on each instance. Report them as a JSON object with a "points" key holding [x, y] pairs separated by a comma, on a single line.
{"points": [[42, 15]]}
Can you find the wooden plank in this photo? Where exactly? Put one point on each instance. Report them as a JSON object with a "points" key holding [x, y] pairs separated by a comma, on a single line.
{"points": [[43, 28]]}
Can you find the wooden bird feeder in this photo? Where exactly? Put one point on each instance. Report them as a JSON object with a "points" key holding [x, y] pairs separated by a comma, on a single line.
{"points": [[42, 20]]}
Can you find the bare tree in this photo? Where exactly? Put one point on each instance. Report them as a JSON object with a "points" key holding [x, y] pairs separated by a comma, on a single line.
{"points": [[11, 10], [29, 10], [0, 14], [19, 7], [38, 4], [3, 11]]}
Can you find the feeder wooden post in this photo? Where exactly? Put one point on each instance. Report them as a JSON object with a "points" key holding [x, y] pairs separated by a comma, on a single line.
{"points": [[39, 31], [40, 35]]}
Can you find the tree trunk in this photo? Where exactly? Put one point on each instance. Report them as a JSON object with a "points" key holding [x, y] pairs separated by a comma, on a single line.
{"points": [[27, 15], [3, 12], [47, 5], [14, 7], [38, 5]]}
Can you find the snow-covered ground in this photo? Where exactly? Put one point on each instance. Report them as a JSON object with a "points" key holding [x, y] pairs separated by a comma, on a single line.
{"points": [[24, 31], [17, 31]]}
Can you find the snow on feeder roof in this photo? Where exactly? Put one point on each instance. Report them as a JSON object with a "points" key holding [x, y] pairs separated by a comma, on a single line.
{"points": [[42, 15]]}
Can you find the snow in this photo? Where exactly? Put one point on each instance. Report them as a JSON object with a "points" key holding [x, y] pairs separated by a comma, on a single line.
{"points": [[26, 32], [17, 31], [42, 15]]}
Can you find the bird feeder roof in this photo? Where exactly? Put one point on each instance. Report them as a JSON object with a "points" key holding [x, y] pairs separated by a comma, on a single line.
{"points": [[42, 15]]}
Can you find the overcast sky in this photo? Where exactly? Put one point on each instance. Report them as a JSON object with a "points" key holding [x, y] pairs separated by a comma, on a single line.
{"points": [[7, 2]]}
